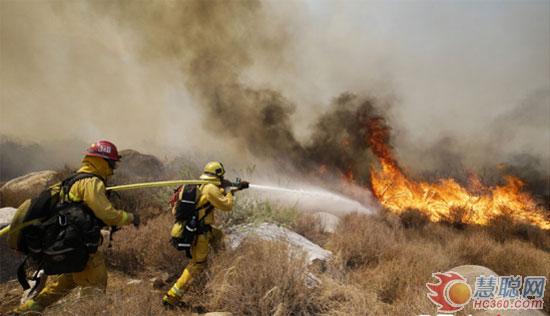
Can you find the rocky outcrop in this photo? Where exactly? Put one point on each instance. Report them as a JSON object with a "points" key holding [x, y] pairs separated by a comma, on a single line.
{"points": [[17, 190], [135, 166], [269, 231]]}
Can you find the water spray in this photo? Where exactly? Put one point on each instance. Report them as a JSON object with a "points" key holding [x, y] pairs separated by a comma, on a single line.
{"points": [[318, 194]]}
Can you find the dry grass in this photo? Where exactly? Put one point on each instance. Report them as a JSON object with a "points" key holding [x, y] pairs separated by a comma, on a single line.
{"points": [[310, 226], [146, 249], [261, 278], [121, 299], [380, 267], [379, 255]]}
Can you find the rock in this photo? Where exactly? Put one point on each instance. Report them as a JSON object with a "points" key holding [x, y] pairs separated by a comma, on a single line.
{"points": [[268, 231], [17, 190], [328, 221], [470, 272], [136, 166], [9, 259], [135, 281], [6, 214]]}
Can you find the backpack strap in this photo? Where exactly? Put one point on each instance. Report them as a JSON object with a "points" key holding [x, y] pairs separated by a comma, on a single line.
{"points": [[208, 209], [68, 183], [21, 275]]}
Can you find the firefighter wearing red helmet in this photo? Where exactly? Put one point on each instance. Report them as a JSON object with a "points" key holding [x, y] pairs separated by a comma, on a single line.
{"points": [[99, 160], [104, 149]]}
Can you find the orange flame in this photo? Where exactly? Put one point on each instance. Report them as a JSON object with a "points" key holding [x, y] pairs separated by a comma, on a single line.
{"points": [[447, 198]]}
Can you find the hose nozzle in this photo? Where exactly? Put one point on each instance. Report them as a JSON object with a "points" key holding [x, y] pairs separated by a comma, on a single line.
{"points": [[238, 185]]}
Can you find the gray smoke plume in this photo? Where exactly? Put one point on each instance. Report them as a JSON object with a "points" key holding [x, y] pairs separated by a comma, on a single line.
{"points": [[213, 43], [243, 78]]}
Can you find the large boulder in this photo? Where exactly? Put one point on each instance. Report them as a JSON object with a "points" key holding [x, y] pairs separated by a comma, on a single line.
{"points": [[135, 166], [9, 259], [17, 190], [267, 231]]}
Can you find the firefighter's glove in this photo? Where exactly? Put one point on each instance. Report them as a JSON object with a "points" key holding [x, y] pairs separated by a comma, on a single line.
{"points": [[137, 221]]}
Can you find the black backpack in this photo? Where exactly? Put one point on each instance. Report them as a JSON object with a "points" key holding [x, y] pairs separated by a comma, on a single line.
{"points": [[66, 233], [187, 218]]}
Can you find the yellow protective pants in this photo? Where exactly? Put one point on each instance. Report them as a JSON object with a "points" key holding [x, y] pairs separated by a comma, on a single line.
{"points": [[92, 279], [199, 254]]}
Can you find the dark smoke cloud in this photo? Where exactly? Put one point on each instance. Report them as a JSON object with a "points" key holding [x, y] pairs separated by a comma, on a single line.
{"points": [[214, 42], [516, 142], [111, 79]]}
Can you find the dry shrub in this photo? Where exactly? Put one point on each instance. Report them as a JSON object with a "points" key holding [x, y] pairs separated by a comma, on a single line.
{"points": [[379, 268], [261, 278], [361, 240], [148, 247], [310, 226], [413, 219], [341, 299], [121, 299], [456, 218], [393, 263], [388, 262], [503, 228], [514, 257], [398, 275]]}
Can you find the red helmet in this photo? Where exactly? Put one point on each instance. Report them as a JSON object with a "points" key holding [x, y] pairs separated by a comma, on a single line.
{"points": [[104, 149]]}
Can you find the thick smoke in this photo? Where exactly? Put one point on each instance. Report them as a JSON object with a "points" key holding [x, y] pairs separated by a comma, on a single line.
{"points": [[214, 42], [224, 78]]}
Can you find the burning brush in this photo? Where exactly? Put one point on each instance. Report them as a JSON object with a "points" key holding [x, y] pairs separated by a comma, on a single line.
{"points": [[446, 198]]}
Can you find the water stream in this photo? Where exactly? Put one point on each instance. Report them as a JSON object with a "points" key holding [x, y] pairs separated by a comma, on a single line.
{"points": [[317, 198]]}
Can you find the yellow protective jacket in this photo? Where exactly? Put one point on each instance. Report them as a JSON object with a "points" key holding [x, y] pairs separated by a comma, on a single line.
{"points": [[91, 191], [216, 196]]}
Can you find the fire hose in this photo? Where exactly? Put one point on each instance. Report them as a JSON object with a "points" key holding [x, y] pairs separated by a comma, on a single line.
{"points": [[158, 184], [237, 185]]}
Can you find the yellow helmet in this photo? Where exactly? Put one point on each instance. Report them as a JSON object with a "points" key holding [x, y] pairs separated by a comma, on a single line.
{"points": [[213, 169]]}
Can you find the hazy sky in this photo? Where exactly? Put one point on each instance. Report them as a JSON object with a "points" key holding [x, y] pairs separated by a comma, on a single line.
{"points": [[452, 64], [449, 67]]}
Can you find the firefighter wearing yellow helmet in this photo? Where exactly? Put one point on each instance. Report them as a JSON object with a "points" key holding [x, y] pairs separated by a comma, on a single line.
{"points": [[209, 196]]}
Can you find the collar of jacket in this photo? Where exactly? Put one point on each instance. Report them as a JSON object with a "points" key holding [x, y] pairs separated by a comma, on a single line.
{"points": [[97, 166]]}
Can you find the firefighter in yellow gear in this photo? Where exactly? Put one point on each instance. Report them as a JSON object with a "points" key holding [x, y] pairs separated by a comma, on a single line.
{"points": [[219, 199], [100, 160]]}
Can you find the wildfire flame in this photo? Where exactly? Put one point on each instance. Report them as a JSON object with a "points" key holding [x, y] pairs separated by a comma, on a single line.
{"points": [[447, 199]]}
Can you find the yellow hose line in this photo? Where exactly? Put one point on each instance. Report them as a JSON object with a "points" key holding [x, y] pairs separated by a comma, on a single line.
{"points": [[4, 230], [125, 187], [158, 184]]}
